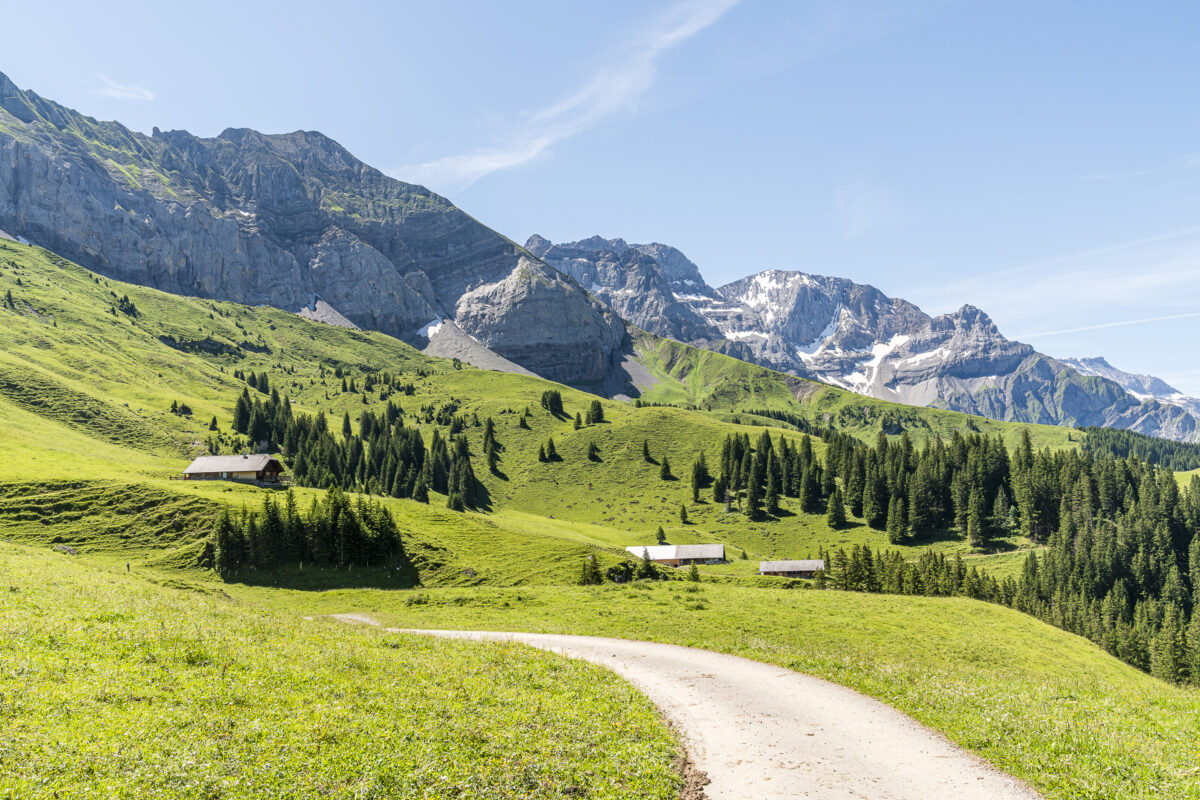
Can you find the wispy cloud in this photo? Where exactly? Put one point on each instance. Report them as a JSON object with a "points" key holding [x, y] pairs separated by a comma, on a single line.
{"points": [[123, 91], [1120, 324], [610, 91], [1184, 162]]}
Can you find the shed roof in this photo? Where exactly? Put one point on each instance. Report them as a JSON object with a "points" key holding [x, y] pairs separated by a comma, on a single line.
{"points": [[243, 463], [680, 552], [806, 565]]}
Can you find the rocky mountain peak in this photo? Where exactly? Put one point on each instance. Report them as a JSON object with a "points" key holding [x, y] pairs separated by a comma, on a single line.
{"points": [[277, 219], [964, 319]]}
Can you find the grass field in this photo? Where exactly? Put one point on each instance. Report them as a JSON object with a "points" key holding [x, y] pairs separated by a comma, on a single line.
{"points": [[114, 686], [1185, 478], [217, 676], [1040, 703]]}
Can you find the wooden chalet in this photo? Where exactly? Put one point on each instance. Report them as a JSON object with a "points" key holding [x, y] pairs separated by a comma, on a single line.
{"points": [[806, 568], [680, 555], [260, 469]]}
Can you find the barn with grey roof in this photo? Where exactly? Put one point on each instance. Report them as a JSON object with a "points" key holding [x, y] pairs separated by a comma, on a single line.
{"points": [[258, 468]]}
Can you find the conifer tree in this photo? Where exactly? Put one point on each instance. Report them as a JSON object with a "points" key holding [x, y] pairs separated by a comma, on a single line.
{"points": [[241, 413], [753, 508], [664, 471], [347, 428], [595, 413], [772, 494], [896, 525], [593, 452], [975, 518], [542, 453], [694, 574], [578, 421], [646, 452], [660, 535], [646, 568], [551, 453], [683, 517], [721, 492], [590, 575], [836, 514]]}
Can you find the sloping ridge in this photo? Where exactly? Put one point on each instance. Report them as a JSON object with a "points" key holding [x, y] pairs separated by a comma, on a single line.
{"points": [[277, 219]]}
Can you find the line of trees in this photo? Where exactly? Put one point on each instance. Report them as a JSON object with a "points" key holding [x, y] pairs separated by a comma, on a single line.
{"points": [[1180, 456], [381, 457], [333, 532], [1121, 567]]}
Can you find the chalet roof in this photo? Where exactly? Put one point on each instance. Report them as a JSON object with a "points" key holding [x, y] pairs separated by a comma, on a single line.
{"points": [[680, 552], [243, 463], [806, 565]]}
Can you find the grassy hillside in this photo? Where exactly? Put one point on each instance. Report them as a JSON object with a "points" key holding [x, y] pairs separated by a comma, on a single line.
{"points": [[1185, 478], [1042, 704], [89, 371], [117, 687], [91, 377], [714, 382]]}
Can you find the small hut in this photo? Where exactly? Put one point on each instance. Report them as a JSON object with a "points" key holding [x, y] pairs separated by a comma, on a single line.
{"points": [[243, 468]]}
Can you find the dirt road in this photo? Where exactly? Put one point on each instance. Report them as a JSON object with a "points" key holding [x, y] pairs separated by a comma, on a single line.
{"points": [[763, 732]]}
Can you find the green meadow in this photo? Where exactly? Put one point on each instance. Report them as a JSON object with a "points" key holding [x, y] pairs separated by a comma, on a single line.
{"points": [[129, 670]]}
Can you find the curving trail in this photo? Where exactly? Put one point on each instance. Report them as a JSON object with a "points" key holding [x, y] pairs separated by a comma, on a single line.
{"points": [[762, 732]]}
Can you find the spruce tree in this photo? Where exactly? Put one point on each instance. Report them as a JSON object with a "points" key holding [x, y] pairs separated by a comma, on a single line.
{"points": [[836, 515], [646, 568], [664, 471], [720, 492], [896, 527], [542, 453], [753, 508], [772, 495], [595, 413], [241, 413], [975, 518], [660, 536], [694, 574], [593, 452], [347, 428], [551, 453], [683, 517], [578, 421], [646, 452], [590, 575]]}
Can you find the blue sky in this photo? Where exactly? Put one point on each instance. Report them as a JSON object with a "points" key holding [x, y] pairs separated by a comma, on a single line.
{"points": [[1038, 160]]}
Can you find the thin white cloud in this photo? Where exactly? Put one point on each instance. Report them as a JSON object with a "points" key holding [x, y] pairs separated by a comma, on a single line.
{"points": [[123, 91], [1184, 162], [1099, 326], [612, 90]]}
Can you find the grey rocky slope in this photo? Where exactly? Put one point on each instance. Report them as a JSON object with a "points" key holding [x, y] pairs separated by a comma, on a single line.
{"points": [[288, 220], [1143, 387], [855, 337]]}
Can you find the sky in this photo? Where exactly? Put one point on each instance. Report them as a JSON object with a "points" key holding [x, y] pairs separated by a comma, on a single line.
{"points": [[1038, 160]]}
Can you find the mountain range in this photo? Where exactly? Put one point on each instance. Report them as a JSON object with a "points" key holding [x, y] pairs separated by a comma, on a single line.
{"points": [[853, 336], [297, 222]]}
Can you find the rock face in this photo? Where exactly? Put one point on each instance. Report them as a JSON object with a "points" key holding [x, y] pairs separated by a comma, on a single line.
{"points": [[1143, 387], [855, 337], [287, 220], [643, 283]]}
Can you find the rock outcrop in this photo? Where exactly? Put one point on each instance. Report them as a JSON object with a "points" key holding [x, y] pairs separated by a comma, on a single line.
{"points": [[279, 220]]}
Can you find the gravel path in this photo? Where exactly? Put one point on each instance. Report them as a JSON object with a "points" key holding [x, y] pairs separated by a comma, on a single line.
{"points": [[762, 732]]}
